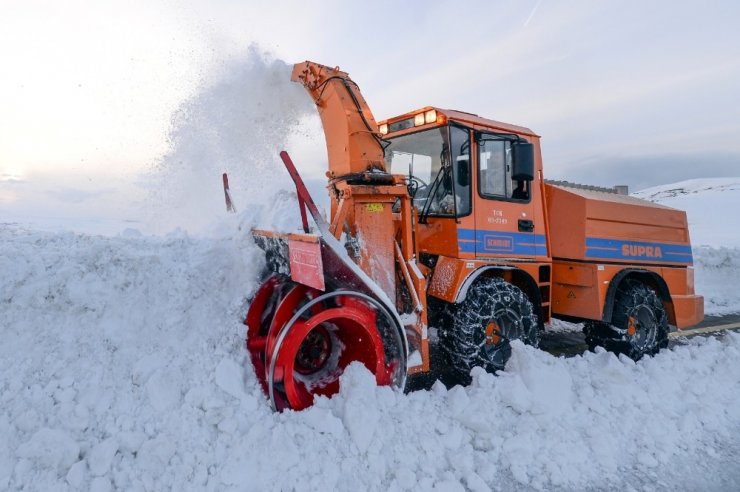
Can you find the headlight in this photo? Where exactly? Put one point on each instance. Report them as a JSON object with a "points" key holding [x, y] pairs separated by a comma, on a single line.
{"points": [[430, 116], [384, 129], [419, 119]]}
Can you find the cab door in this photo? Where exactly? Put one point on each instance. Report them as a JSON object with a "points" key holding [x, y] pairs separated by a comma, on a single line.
{"points": [[504, 209]]}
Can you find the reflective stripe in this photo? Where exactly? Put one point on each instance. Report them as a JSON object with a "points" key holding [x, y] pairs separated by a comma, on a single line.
{"points": [[501, 243]]}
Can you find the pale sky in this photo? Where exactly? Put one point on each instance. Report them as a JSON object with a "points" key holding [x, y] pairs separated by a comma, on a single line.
{"points": [[637, 92]]}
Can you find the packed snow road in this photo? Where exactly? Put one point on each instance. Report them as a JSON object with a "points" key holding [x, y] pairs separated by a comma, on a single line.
{"points": [[123, 367]]}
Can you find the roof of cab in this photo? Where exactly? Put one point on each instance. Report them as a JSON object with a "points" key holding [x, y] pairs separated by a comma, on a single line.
{"points": [[467, 118]]}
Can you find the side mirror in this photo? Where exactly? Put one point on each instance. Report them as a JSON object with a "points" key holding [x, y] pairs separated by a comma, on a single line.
{"points": [[463, 171], [523, 165]]}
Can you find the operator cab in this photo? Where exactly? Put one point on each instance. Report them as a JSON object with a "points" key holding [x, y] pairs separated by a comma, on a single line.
{"points": [[470, 179]]}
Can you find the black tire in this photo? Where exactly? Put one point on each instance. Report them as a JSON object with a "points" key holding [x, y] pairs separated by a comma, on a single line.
{"points": [[639, 324], [497, 306]]}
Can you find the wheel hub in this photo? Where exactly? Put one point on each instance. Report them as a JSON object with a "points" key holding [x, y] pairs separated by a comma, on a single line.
{"points": [[503, 328], [642, 327], [314, 351], [493, 333]]}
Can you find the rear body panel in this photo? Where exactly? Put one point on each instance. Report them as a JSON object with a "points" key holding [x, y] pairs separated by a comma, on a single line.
{"points": [[597, 236], [590, 225], [580, 290]]}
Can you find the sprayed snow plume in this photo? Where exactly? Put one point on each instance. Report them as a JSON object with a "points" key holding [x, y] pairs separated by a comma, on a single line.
{"points": [[238, 123]]}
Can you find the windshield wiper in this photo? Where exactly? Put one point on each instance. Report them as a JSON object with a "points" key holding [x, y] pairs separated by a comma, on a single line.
{"points": [[444, 171]]}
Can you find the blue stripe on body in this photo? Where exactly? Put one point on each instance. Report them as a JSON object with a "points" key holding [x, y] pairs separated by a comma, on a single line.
{"points": [[501, 243], [615, 249]]}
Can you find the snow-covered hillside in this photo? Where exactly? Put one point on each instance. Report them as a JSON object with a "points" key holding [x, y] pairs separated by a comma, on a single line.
{"points": [[711, 205]]}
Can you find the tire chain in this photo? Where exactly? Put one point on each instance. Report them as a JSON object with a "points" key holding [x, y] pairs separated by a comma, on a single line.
{"points": [[631, 295], [463, 340]]}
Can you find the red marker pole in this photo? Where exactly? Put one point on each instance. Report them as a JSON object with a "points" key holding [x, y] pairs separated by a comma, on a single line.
{"points": [[227, 195]]}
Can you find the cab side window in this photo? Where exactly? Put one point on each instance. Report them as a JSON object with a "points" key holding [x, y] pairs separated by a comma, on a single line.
{"points": [[494, 171]]}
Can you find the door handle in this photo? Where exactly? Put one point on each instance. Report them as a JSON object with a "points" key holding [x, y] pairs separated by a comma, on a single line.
{"points": [[526, 225]]}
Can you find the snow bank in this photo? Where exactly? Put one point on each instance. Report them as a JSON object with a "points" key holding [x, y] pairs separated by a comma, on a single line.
{"points": [[717, 270], [106, 340], [123, 367]]}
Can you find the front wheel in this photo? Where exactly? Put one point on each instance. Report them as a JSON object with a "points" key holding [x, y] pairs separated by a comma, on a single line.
{"points": [[481, 328], [639, 324]]}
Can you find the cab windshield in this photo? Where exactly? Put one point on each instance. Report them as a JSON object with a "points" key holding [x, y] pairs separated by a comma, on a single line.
{"points": [[437, 165]]}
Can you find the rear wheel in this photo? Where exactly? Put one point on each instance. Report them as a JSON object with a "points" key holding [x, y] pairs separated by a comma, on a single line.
{"points": [[493, 314], [639, 323]]}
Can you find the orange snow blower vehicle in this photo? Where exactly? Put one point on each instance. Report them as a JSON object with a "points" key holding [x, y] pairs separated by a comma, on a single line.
{"points": [[442, 218]]}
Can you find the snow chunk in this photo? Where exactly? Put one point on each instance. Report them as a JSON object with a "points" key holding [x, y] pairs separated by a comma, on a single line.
{"points": [[360, 412], [51, 448], [230, 377], [548, 383], [101, 456], [164, 390], [155, 454], [76, 474], [100, 484]]}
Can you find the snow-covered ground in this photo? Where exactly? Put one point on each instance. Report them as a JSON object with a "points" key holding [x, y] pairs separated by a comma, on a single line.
{"points": [[123, 365]]}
